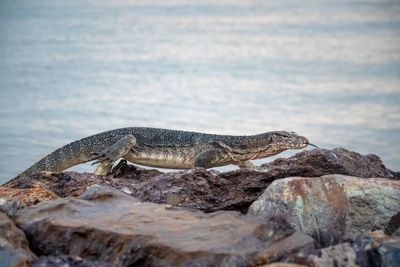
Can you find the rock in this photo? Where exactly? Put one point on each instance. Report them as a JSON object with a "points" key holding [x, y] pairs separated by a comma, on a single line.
{"points": [[196, 189], [367, 250], [288, 246], [67, 261], [104, 193], [282, 264], [109, 226], [319, 162], [13, 199], [72, 184], [14, 249], [390, 253], [332, 208], [66, 184], [209, 190]]}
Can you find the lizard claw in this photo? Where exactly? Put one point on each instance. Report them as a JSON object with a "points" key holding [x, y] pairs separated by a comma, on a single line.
{"points": [[101, 158]]}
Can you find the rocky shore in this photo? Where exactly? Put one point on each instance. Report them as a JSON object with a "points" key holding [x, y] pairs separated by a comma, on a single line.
{"points": [[317, 208]]}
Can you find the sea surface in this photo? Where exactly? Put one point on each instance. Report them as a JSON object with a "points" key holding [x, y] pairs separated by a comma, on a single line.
{"points": [[329, 70]]}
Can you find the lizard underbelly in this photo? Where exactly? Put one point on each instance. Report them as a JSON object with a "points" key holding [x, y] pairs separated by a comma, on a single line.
{"points": [[162, 159]]}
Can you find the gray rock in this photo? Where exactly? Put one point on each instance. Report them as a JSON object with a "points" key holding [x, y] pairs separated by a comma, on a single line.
{"points": [[332, 208]]}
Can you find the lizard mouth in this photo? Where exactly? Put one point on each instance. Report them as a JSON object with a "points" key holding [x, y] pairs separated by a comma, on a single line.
{"points": [[304, 144], [297, 146]]}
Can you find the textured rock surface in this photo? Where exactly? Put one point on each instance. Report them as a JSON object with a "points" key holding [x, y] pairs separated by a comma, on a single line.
{"points": [[285, 247], [319, 162], [393, 227], [14, 250], [332, 208], [72, 184], [210, 191], [67, 261], [13, 199], [282, 264], [109, 226], [367, 250]]}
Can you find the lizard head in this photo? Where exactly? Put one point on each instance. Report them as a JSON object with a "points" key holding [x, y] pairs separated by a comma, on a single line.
{"points": [[279, 141], [288, 140]]}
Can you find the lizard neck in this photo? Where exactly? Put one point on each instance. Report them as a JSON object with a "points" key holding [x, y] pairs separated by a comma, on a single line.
{"points": [[257, 146]]}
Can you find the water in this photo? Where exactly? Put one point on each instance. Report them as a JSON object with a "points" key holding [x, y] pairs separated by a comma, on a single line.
{"points": [[329, 70]]}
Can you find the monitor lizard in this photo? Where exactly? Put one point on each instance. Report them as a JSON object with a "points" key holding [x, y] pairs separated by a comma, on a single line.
{"points": [[167, 149]]}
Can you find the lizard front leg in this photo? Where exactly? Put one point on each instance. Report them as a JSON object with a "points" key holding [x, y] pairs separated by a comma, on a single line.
{"points": [[106, 158], [230, 153]]}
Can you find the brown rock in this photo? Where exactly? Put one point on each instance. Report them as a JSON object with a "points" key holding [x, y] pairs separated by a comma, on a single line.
{"points": [[332, 208], [111, 227], [13, 199], [70, 184], [66, 184], [207, 190], [319, 162], [14, 250]]}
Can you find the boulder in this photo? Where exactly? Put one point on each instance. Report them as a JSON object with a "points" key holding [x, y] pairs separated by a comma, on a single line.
{"points": [[332, 208], [14, 249], [319, 162], [14, 199], [108, 226], [209, 190]]}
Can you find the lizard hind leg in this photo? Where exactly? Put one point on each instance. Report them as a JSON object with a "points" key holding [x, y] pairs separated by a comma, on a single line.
{"points": [[209, 158], [107, 157]]}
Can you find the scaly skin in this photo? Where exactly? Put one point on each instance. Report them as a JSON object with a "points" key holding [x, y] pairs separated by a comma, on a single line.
{"points": [[167, 149]]}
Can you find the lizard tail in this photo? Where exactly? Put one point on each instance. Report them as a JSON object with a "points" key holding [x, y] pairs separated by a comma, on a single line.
{"points": [[63, 158]]}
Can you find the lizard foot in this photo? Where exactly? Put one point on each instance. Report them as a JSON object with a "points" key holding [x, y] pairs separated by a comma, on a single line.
{"points": [[108, 156], [102, 158]]}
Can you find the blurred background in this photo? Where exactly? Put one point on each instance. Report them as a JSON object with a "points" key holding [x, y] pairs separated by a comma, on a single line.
{"points": [[329, 70]]}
